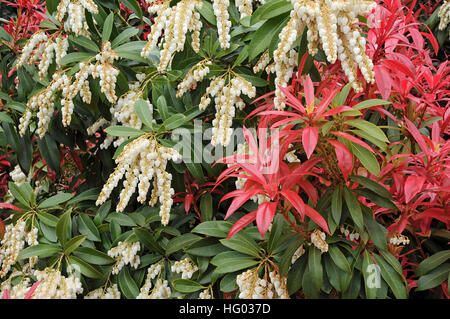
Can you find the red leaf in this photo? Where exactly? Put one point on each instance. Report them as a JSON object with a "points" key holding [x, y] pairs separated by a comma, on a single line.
{"points": [[295, 201], [2, 229], [353, 139], [188, 202], [413, 185], [317, 218], [310, 136], [344, 158], [383, 80], [241, 223], [10, 206], [238, 201], [30, 292], [6, 294], [264, 216]]}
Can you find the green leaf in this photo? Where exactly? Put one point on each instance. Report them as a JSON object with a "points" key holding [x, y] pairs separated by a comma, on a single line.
{"points": [[162, 108], [376, 231], [124, 36], [354, 208], [180, 242], [55, 200], [174, 121], [286, 258], [123, 131], [206, 247], [264, 35], [206, 207], [372, 185], [256, 81], [49, 151], [393, 279], [63, 227], [18, 194], [339, 258], [367, 271], [432, 262], [216, 228], [142, 110], [127, 284], [73, 244], [93, 256], [232, 264], [315, 268], [85, 43], [369, 103], [336, 204], [85, 268], [369, 128], [48, 219], [87, 226], [228, 283], [40, 250], [375, 198], [51, 5], [107, 27], [242, 244], [148, 240], [207, 12], [134, 6], [434, 277], [186, 286], [76, 57], [367, 158], [4, 117]]}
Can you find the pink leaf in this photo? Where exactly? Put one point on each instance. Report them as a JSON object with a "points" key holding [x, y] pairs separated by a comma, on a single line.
{"points": [[241, 223], [30, 292], [264, 216], [317, 218], [344, 157], [383, 80], [10, 206], [295, 201], [310, 136], [413, 185]]}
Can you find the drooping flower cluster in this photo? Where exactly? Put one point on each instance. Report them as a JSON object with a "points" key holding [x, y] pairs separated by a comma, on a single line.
{"points": [[351, 235], [76, 21], [70, 86], [333, 25], [11, 245], [176, 22], [195, 75], [226, 91], [123, 112], [318, 239], [161, 288], [399, 240], [444, 15], [125, 253], [186, 267], [142, 160], [297, 254], [18, 176], [100, 293], [253, 287], [263, 61], [53, 285], [220, 8]]}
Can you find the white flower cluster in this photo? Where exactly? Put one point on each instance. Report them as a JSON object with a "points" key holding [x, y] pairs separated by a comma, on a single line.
{"points": [[195, 75], [318, 239], [245, 7], [76, 21], [161, 289], [186, 267], [227, 98], [18, 176], [53, 285], [141, 161], [205, 294], [351, 235], [100, 293], [333, 24], [297, 254], [19, 290], [176, 22], [125, 253], [12, 243], [220, 8], [399, 240], [444, 15], [253, 287], [27, 51], [262, 62], [123, 112]]}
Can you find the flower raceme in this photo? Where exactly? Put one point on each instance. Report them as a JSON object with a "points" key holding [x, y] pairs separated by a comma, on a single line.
{"points": [[265, 173]]}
